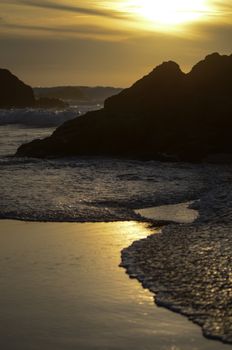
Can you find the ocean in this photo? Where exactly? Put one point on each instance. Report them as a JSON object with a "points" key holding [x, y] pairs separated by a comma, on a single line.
{"points": [[61, 287], [84, 189]]}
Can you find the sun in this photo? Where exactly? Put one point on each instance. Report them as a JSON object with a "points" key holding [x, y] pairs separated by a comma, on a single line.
{"points": [[168, 12]]}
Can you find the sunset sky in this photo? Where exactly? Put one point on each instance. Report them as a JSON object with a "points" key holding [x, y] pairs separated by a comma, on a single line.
{"points": [[108, 42]]}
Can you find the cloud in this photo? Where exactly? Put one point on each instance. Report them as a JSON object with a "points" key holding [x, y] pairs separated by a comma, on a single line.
{"points": [[225, 5], [74, 29], [222, 9], [20, 19], [47, 4]]}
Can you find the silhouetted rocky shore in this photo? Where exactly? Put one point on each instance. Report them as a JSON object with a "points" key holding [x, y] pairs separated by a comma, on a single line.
{"points": [[166, 115]]}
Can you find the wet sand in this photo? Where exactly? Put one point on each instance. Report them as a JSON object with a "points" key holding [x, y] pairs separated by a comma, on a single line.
{"points": [[61, 288], [180, 213]]}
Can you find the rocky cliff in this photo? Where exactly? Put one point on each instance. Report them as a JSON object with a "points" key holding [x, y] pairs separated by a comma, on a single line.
{"points": [[166, 115]]}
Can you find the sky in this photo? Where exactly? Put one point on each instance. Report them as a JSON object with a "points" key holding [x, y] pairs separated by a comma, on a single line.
{"points": [[108, 42]]}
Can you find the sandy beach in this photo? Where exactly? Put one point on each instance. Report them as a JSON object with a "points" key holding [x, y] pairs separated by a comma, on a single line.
{"points": [[61, 288]]}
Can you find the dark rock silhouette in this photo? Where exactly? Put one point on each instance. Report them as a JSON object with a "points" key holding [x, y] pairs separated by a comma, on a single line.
{"points": [[166, 115], [13, 92]]}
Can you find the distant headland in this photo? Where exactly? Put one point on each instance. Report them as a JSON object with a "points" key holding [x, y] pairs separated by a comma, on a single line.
{"points": [[165, 115], [16, 94]]}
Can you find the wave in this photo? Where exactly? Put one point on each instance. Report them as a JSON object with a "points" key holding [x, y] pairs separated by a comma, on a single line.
{"points": [[41, 117], [17, 161], [37, 117], [94, 189]]}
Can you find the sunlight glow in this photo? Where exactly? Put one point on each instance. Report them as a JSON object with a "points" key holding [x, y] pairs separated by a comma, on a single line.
{"points": [[168, 13]]}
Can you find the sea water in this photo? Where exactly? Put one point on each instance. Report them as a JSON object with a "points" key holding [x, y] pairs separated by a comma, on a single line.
{"points": [[50, 276], [86, 189]]}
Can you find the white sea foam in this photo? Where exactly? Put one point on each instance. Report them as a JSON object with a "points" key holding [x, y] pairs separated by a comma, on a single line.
{"points": [[37, 117], [40, 117]]}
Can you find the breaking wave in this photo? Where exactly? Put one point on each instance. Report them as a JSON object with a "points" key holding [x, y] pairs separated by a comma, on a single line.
{"points": [[37, 117], [40, 117]]}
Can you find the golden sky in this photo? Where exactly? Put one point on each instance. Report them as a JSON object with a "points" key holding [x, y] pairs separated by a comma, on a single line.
{"points": [[108, 42]]}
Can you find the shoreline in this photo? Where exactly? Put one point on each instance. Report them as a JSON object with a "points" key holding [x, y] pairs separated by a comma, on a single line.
{"points": [[187, 266], [61, 286], [179, 263]]}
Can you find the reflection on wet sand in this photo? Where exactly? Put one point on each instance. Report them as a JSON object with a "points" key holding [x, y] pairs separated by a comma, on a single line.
{"points": [[61, 288]]}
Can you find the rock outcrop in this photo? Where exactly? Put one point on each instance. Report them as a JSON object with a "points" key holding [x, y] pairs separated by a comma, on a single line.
{"points": [[13, 92], [166, 115]]}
